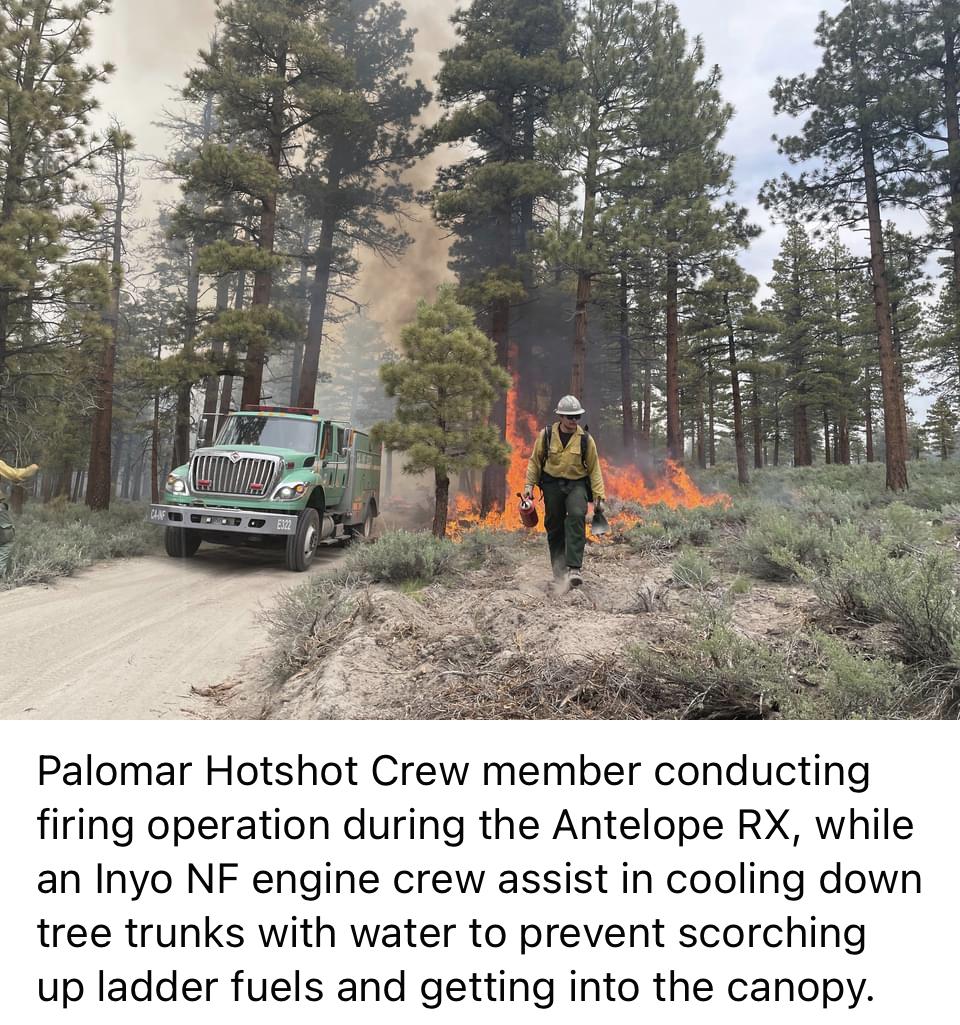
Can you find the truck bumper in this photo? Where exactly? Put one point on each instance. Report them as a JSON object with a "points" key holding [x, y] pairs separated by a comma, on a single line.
{"points": [[241, 521]]}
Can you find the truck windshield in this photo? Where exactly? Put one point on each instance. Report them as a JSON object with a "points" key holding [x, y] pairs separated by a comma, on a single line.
{"points": [[270, 432]]}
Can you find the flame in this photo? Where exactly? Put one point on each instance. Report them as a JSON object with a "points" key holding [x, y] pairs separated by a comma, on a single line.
{"points": [[623, 484]]}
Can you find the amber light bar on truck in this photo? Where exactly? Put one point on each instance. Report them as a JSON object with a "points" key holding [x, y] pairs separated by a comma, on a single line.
{"points": [[296, 410]]}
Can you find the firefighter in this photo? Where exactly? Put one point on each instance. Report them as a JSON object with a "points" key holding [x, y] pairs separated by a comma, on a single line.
{"points": [[564, 463], [16, 476], [6, 536]]}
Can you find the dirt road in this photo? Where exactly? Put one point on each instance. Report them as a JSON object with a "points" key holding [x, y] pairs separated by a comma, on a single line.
{"points": [[128, 640]]}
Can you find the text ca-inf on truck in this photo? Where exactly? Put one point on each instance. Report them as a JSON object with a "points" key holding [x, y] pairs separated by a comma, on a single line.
{"points": [[276, 475]]}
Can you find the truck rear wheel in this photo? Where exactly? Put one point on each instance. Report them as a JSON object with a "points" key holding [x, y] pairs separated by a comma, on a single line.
{"points": [[181, 543], [302, 544]]}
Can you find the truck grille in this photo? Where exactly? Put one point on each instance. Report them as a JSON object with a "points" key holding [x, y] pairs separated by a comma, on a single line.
{"points": [[249, 476]]}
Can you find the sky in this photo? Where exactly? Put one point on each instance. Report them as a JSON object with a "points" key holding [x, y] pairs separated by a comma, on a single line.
{"points": [[753, 41]]}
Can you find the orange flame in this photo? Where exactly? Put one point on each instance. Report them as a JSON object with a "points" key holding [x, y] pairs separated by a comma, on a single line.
{"points": [[626, 484]]}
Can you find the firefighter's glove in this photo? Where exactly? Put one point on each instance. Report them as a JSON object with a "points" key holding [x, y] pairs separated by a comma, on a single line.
{"points": [[528, 491], [598, 508]]}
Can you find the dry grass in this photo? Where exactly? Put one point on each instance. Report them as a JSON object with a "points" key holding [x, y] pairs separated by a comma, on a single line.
{"points": [[593, 687]]}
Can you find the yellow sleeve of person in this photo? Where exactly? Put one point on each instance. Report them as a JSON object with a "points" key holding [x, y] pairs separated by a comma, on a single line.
{"points": [[15, 475], [566, 462]]}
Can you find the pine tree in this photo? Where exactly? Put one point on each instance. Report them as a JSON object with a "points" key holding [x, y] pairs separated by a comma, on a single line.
{"points": [[353, 186], [187, 231], [614, 41], [849, 333], [496, 83], [727, 312], [800, 302], [928, 52], [45, 105], [100, 477], [941, 427], [274, 77], [940, 352], [855, 129], [445, 384], [681, 177]]}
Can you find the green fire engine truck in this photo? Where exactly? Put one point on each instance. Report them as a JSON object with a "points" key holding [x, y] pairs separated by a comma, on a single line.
{"points": [[275, 475]]}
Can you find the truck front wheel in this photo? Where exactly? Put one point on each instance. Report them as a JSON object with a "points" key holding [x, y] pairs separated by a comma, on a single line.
{"points": [[302, 544], [180, 542]]}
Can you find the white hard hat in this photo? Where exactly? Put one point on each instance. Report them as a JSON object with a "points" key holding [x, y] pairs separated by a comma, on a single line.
{"points": [[569, 405]]}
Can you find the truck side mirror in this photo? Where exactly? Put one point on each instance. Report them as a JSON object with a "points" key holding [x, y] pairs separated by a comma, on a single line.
{"points": [[203, 427]]}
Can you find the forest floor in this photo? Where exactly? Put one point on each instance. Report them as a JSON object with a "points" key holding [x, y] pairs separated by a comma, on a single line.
{"points": [[813, 594], [501, 641]]}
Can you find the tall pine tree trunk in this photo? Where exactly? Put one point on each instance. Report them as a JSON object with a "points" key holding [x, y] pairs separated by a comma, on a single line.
{"points": [[868, 415], [296, 363], [699, 425], [951, 85], [626, 376], [493, 490], [211, 386], [307, 393], [585, 274], [898, 364], [441, 503], [841, 435], [674, 428], [802, 456], [739, 440], [116, 460], [263, 278], [777, 433], [711, 432], [844, 440], [226, 387], [155, 435], [128, 469], [136, 484], [826, 437], [757, 423], [526, 364], [647, 404], [894, 420], [181, 433], [98, 482]]}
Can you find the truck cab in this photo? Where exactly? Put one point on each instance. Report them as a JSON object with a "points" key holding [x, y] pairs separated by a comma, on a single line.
{"points": [[275, 476]]}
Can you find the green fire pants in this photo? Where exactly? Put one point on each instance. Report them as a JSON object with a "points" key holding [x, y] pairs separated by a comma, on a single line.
{"points": [[565, 502], [5, 552]]}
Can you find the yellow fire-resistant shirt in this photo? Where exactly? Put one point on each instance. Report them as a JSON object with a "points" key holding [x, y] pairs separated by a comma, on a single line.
{"points": [[17, 475], [566, 462]]}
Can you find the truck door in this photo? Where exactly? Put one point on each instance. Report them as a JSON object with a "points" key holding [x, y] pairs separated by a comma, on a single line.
{"points": [[334, 467]]}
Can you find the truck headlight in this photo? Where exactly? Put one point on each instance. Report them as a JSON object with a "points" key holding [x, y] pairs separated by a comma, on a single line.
{"points": [[176, 484], [289, 492]]}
